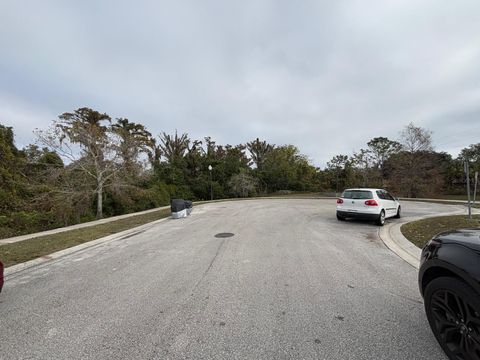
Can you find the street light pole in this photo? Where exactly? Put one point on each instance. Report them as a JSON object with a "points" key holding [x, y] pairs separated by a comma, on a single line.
{"points": [[210, 168]]}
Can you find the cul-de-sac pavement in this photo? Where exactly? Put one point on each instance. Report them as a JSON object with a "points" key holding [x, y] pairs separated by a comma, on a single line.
{"points": [[291, 283]]}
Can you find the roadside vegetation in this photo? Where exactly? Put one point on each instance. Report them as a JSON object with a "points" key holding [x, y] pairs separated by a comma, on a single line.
{"points": [[86, 166], [421, 231], [26, 250]]}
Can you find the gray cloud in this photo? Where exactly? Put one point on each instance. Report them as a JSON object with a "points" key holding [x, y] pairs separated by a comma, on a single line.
{"points": [[326, 76]]}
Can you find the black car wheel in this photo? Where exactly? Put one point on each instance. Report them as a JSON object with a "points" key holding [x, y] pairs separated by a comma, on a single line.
{"points": [[399, 210], [340, 218], [381, 219], [453, 311]]}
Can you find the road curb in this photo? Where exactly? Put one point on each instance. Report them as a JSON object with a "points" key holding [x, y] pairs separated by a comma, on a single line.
{"points": [[14, 269], [393, 238], [15, 239]]}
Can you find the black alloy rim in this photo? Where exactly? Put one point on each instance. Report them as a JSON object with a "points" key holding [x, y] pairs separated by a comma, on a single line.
{"points": [[457, 323]]}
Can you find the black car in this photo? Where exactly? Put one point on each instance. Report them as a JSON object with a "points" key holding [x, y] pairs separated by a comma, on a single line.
{"points": [[449, 280]]}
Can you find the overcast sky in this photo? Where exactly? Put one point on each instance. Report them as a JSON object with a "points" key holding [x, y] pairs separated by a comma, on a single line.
{"points": [[326, 76]]}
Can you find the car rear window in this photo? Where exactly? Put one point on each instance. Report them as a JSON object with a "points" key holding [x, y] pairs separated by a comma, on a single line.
{"points": [[357, 194]]}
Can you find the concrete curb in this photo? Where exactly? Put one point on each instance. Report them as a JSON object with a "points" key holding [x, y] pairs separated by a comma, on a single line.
{"points": [[12, 270], [446, 201], [393, 238], [77, 226]]}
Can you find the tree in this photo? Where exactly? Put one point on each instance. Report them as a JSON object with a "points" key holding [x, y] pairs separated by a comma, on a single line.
{"points": [[416, 139], [133, 139], [285, 168], [243, 185], [194, 159], [362, 161], [472, 155], [340, 167], [174, 147], [85, 138], [381, 148], [154, 153], [11, 179], [259, 150], [414, 172]]}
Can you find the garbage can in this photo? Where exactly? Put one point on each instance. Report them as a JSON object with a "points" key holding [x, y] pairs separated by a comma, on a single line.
{"points": [[178, 208], [188, 206]]}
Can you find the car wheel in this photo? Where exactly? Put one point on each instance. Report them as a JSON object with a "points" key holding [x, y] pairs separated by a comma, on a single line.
{"points": [[398, 212], [340, 218], [381, 218], [453, 312]]}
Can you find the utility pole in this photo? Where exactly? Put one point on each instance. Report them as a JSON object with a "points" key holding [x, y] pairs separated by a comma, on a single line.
{"points": [[475, 187], [467, 173]]}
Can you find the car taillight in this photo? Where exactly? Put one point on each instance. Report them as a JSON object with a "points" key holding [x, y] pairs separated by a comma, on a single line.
{"points": [[371, 203], [339, 201]]}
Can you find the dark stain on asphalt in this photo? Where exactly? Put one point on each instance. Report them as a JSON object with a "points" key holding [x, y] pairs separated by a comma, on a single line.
{"points": [[341, 318], [224, 235], [133, 234], [371, 237], [350, 286], [209, 266], [222, 323], [317, 341], [284, 312]]}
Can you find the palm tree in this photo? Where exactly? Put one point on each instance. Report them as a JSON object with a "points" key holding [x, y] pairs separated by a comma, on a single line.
{"points": [[174, 147], [134, 138]]}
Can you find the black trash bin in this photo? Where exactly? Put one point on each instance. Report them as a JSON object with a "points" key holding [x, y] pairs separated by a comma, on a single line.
{"points": [[188, 206], [178, 208]]}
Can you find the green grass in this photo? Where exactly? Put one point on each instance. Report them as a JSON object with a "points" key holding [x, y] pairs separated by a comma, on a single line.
{"points": [[442, 201], [451, 197], [22, 251], [421, 231]]}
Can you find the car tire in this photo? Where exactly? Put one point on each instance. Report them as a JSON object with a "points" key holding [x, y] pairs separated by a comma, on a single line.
{"points": [[340, 218], [399, 210], [381, 218], [453, 312]]}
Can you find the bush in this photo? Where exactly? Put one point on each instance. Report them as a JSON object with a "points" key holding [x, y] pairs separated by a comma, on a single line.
{"points": [[22, 222]]}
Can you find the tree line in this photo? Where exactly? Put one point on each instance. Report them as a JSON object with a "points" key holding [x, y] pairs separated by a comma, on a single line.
{"points": [[409, 167], [87, 165]]}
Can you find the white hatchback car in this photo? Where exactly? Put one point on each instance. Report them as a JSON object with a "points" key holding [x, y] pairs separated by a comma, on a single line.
{"points": [[367, 204]]}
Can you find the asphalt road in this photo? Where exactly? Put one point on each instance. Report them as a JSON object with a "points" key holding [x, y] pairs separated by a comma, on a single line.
{"points": [[292, 283]]}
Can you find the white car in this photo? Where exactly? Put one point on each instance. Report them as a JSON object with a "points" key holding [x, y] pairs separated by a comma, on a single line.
{"points": [[368, 204]]}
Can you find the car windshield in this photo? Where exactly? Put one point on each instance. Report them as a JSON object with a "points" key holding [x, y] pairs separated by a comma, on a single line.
{"points": [[357, 194]]}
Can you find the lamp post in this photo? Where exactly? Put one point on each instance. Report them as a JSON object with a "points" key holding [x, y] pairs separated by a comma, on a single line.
{"points": [[210, 168]]}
